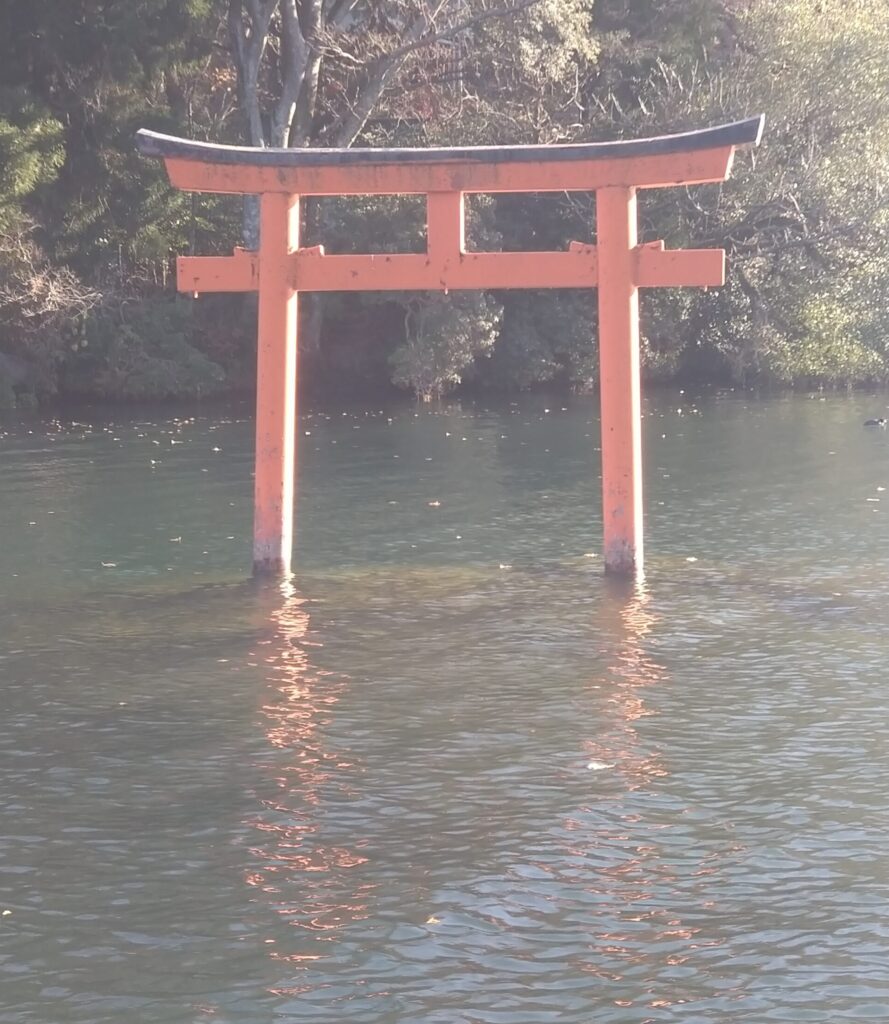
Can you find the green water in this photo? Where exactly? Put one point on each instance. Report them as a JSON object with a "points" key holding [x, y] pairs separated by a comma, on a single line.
{"points": [[449, 774]]}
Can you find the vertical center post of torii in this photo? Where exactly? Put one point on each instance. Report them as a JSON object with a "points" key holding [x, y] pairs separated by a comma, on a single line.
{"points": [[617, 265]]}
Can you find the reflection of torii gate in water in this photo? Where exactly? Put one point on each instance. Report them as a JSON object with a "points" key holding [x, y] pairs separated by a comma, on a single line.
{"points": [[617, 265]]}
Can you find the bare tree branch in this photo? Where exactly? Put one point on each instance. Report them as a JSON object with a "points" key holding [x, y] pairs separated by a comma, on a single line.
{"points": [[418, 36], [338, 10], [33, 293], [374, 85], [433, 36]]}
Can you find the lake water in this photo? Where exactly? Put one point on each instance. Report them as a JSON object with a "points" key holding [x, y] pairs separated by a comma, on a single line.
{"points": [[450, 774]]}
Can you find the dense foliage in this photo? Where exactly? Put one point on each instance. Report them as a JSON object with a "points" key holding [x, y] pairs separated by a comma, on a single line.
{"points": [[89, 231]]}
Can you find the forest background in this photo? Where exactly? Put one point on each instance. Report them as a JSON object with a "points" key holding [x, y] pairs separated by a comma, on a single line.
{"points": [[89, 231]]}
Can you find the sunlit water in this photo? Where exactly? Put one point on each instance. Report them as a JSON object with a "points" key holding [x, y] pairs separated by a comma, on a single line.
{"points": [[452, 775]]}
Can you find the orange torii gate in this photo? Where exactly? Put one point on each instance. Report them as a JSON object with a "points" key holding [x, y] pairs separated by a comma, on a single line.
{"points": [[616, 264]]}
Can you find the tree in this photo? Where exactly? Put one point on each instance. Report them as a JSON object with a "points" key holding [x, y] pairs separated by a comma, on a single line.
{"points": [[76, 201], [38, 302], [315, 71], [85, 222], [442, 337], [336, 72], [100, 69], [804, 221]]}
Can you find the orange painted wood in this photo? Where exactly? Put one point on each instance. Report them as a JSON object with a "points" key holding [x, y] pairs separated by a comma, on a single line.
{"points": [[313, 271], [619, 382], [445, 226], [657, 267], [236, 273], [417, 272], [658, 171], [275, 388]]}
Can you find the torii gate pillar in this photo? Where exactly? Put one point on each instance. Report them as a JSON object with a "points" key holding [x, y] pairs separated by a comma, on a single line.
{"points": [[619, 385], [276, 366], [617, 265]]}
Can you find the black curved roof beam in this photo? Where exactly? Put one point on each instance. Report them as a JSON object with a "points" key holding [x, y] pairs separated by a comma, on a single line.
{"points": [[736, 134]]}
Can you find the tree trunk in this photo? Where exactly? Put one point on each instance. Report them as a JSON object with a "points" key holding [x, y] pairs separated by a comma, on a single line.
{"points": [[248, 42]]}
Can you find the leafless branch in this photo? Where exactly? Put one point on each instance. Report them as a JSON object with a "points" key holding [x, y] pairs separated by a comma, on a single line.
{"points": [[433, 36], [419, 35], [32, 293]]}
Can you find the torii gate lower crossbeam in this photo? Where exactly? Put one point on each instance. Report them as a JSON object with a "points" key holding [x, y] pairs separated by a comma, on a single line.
{"points": [[616, 264]]}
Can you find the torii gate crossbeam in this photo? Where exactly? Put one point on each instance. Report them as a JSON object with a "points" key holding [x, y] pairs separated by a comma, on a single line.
{"points": [[616, 264]]}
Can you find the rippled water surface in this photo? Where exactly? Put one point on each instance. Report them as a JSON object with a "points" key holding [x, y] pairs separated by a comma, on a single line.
{"points": [[450, 775]]}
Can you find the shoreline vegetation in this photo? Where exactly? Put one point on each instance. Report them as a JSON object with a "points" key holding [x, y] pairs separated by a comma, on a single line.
{"points": [[89, 231]]}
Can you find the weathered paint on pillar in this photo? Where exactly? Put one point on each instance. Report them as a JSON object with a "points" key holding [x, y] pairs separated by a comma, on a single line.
{"points": [[619, 381], [275, 387]]}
